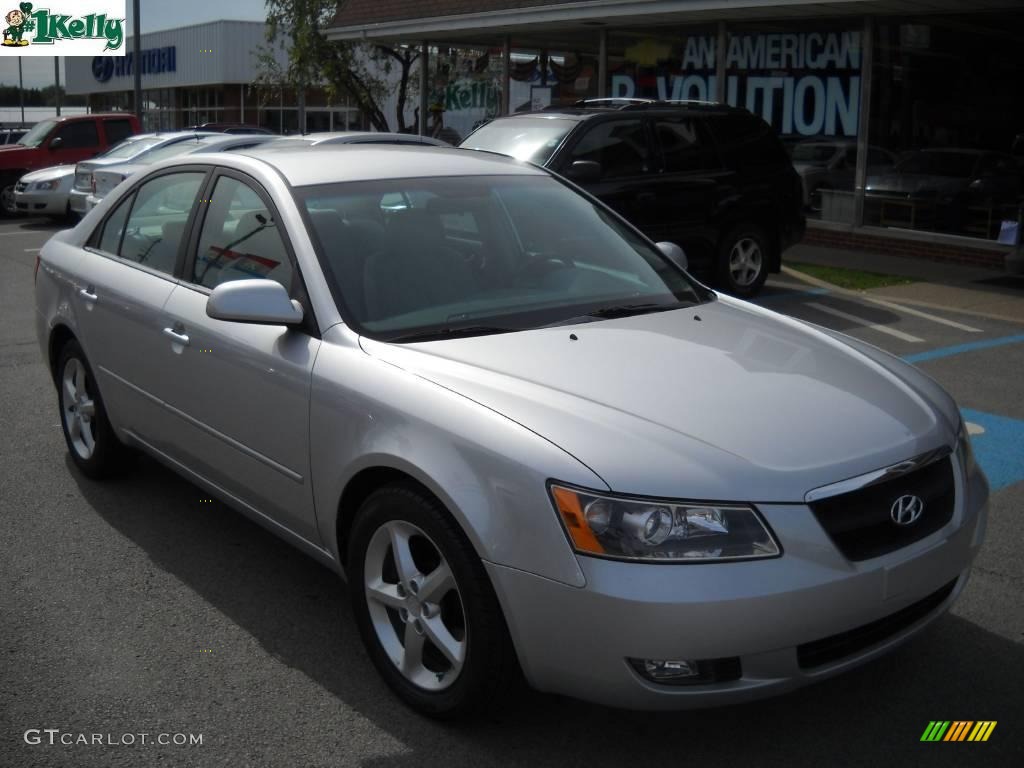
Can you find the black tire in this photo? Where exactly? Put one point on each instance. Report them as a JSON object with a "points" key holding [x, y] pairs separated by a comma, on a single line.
{"points": [[8, 207], [107, 454], [741, 281], [490, 668]]}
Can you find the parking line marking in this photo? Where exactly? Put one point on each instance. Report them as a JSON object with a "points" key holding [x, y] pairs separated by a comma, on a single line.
{"points": [[33, 250], [958, 349], [866, 323], [925, 315]]}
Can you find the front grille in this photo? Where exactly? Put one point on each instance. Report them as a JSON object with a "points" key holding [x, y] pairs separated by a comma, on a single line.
{"points": [[860, 522], [836, 647]]}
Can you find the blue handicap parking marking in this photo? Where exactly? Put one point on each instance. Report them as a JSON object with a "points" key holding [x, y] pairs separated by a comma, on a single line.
{"points": [[998, 443]]}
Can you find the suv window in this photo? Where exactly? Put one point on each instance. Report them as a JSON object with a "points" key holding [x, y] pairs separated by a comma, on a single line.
{"points": [[240, 239], [747, 140], [619, 146], [682, 145], [117, 129], [157, 221], [79, 134]]}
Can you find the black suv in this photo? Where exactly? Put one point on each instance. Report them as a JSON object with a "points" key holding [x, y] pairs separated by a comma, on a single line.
{"points": [[714, 179]]}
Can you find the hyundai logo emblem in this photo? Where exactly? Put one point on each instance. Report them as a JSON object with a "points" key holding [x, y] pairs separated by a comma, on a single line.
{"points": [[906, 510]]}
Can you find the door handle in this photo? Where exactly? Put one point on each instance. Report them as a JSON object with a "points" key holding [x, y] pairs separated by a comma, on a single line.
{"points": [[178, 338], [90, 297]]}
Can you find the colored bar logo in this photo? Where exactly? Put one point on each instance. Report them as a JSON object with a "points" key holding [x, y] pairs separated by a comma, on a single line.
{"points": [[958, 730]]}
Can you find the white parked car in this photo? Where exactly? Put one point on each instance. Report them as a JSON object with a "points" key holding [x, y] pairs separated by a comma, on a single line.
{"points": [[45, 192]]}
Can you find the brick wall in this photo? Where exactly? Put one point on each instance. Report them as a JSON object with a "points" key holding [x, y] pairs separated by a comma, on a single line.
{"points": [[917, 249]]}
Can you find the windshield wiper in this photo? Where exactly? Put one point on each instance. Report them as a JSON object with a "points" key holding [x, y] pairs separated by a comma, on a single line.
{"points": [[435, 334], [618, 310]]}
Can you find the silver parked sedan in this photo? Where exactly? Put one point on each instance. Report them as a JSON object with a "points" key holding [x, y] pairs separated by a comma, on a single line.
{"points": [[526, 437]]}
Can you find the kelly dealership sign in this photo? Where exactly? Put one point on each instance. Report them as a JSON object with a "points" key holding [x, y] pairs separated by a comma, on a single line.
{"points": [[62, 28], [806, 84]]}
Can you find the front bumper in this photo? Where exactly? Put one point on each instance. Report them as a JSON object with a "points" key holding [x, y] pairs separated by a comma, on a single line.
{"points": [[576, 641], [53, 203]]}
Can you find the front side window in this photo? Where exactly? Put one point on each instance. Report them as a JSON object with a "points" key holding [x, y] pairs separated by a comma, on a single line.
{"points": [[411, 257], [156, 224], [79, 135], [618, 146], [240, 239]]}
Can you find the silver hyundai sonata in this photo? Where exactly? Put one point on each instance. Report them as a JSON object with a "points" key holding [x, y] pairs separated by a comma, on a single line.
{"points": [[526, 437]]}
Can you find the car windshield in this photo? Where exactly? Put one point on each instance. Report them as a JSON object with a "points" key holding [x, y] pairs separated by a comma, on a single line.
{"points": [[132, 147], [524, 138], [482, 254], [958, 165], [814, 153], [37, 134]]}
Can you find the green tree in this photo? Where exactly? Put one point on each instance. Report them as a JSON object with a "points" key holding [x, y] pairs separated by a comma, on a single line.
{"points": [[361, 71]]}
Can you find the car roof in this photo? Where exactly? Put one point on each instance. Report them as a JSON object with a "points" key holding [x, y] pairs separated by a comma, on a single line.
{"points": [[340, 163], [586, 109]]}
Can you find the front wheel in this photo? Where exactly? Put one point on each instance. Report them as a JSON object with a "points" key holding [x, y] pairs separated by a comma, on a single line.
{"points": [[743, 260], [8, 207], [91, 441], [425, 607]]}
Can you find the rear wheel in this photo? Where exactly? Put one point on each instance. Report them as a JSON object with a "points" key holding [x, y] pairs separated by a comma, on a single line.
{"points": [[425, 607], [91, 441], [743, 260]]}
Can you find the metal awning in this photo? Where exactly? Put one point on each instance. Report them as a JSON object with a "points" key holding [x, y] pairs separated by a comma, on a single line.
{"points": [[545, 21]]}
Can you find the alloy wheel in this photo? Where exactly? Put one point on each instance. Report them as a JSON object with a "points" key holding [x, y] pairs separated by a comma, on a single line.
{"points": [[78, 408], [746, 260], [415, 606]]}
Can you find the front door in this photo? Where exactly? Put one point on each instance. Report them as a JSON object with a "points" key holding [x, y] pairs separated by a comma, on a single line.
{"points": [[241, 391]]}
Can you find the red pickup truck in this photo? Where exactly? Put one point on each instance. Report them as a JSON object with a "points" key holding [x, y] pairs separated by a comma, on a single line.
{"points": [[59, 141]]}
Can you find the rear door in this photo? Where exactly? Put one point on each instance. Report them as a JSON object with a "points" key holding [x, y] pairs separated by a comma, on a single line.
{"points": [[622, 147], [128, 274], [241, 391]]}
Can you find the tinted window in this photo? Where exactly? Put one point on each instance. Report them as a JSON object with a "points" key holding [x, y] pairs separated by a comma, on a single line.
{"points": [[682, 145], [156, 224], [747, 140], [508, 251], [117, 130], [79, 135], [240, 239], [110, 240], [619, 146]]}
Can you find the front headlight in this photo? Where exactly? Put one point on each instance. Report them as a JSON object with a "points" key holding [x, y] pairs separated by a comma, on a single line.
{"points": [[963, 447], [660, 531], [45, 186]]}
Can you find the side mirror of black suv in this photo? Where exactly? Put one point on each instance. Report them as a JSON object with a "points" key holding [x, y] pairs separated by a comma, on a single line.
{"points": [[585, 172]]}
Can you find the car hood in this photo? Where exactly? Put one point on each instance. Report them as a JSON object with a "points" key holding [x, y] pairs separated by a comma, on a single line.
{"points": [[915, 183], [740, 404], [55, 172]]}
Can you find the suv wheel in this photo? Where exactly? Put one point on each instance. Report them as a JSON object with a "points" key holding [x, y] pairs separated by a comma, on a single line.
{"points": [[425, 607], [743, 260]]}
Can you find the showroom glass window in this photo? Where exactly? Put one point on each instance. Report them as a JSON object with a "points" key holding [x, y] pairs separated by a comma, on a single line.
{"points": [[946, 104]]}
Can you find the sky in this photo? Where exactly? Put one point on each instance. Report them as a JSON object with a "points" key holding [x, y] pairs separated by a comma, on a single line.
{"points": [[156, 15]]}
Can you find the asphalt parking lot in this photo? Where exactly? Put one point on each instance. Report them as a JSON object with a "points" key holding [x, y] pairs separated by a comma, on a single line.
{"points": [[134, 607]]}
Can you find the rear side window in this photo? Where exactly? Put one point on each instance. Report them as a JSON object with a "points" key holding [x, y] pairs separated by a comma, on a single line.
{"points": [[618, 146], [113, 229], [683, 145], [747, 141], [156, 224], [240, 239], [79, 135], [117, 130]]}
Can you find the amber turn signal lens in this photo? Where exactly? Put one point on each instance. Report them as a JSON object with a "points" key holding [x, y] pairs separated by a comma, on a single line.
{"points": [[569, 507]]}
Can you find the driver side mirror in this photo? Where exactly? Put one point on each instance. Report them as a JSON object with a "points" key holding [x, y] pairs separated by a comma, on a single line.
{"points": [[262, 302], [675, 254], [584, 172], [56, 142]]}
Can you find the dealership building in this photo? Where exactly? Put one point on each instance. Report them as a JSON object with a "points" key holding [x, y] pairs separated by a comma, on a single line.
{"points": [[202, 73], [904, 117]]}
